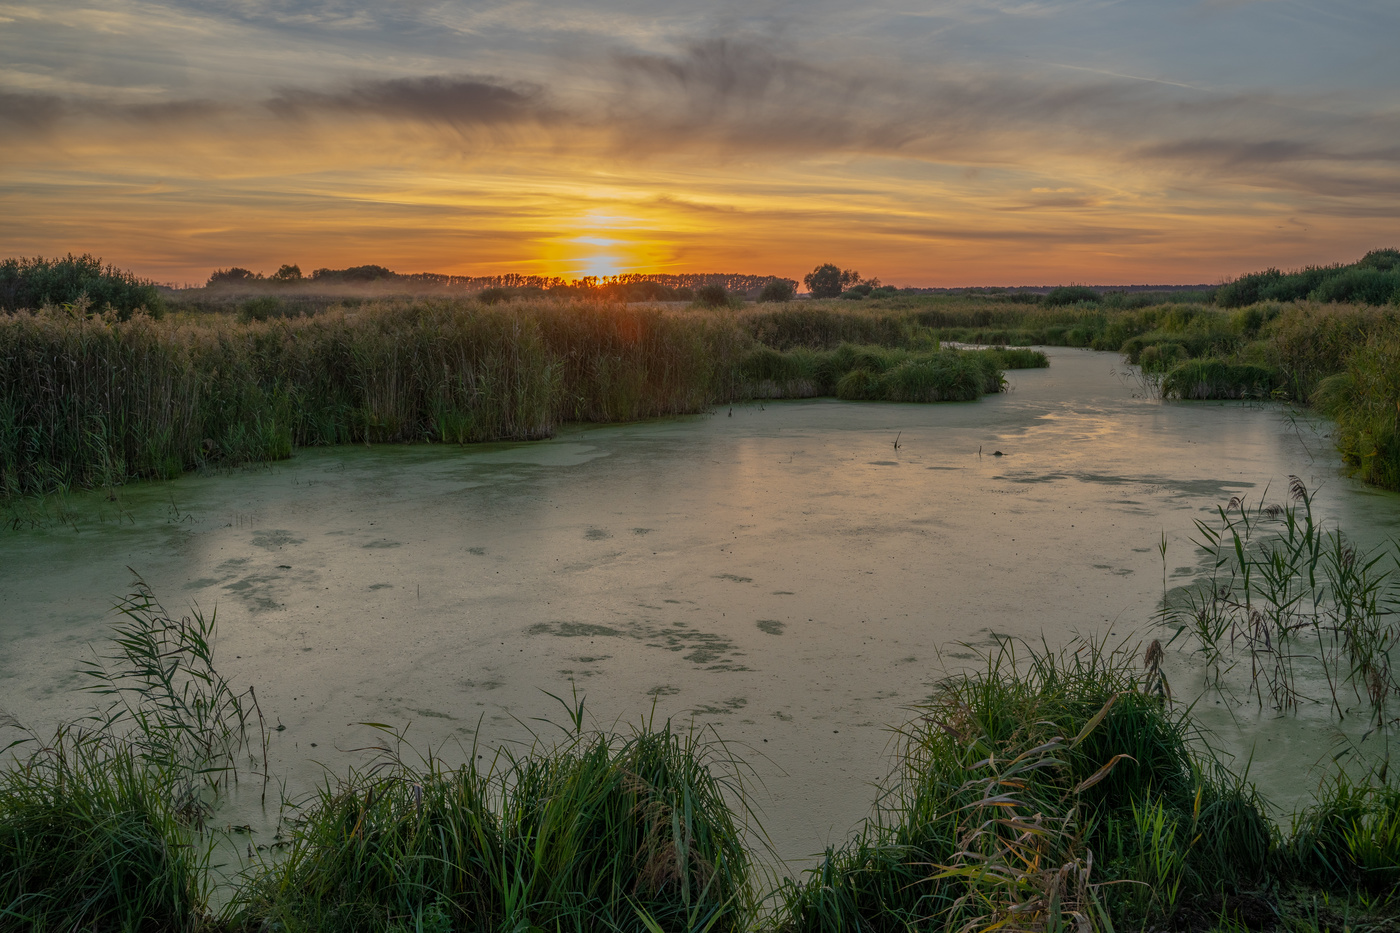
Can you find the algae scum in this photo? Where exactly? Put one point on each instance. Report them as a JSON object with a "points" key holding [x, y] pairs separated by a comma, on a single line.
{"points": [[796, 573]]}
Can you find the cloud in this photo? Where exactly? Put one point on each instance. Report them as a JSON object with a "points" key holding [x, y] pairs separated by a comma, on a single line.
{"points": [[435, 99], [30, 112]]}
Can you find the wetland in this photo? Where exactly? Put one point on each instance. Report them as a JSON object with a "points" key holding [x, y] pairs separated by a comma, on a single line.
{"points": [[779, 570]]}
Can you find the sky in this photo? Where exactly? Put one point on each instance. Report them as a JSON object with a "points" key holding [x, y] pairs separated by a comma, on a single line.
{"points": [[963, 142]]}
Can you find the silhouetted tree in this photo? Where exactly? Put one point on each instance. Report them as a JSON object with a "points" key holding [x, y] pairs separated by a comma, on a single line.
{"points": [[778, 290], [235, 276], [824, 281], [713, 295], [287, 275]]}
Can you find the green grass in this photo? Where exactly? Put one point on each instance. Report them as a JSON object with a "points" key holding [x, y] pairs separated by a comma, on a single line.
{"points": [[603, 832], [1218, 379], [1349, 838], [1025, 793], [89, 840]]}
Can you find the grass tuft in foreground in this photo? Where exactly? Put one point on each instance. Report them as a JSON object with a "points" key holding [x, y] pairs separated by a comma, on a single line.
{"points": [[603, 832], [90, 839], [1052, 791]]}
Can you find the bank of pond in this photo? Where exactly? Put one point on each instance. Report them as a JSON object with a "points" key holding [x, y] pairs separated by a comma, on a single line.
{"points": [[1045, 790], [94, 401]]}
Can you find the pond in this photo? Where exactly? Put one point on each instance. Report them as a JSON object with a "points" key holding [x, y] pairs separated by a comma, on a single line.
{"points": [[797, 574]]}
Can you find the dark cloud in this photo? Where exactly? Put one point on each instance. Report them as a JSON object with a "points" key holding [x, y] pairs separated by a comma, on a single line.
{"points": [[31, 111], [457, 101]]}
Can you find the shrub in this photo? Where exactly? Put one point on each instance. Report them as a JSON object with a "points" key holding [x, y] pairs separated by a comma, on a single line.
{"points": [[75, 281], [1364, 400], [777, 290], [1069, 295], [712, 296]]}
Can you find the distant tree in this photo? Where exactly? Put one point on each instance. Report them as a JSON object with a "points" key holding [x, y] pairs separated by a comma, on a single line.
{"points": [[493, 296], [778, 290], [712, 295], [235, 276], [1070, 295], [850, 277], [287, 275], [824, 281]]}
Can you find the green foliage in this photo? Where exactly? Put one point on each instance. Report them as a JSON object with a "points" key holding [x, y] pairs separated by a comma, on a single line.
{"points": [[1350, 837], [1070, 295], [1364, 400], [778, 290], [89, 840], [80, 282], [1217, 379], [603, 832], [824, 281], [872, 373], [1371, 280]]}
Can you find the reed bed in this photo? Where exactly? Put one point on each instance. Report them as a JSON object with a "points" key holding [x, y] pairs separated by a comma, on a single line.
{"points": [[874, 373], [95, 401]]}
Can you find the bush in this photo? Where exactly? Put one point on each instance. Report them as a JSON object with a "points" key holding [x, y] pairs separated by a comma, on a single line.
{"points": [[1367, 286], [1069, 295], [80, 281], [712, 296], [1364, 400], [777, 290]]}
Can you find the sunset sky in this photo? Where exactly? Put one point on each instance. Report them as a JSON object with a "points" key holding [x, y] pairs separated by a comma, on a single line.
{"points": [[929, 143]]}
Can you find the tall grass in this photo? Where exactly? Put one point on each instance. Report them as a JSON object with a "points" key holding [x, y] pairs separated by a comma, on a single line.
{"points": [[1288, 599], [96, 401], [603, 832], [89, 840], [873, 373], [101, 826], [1048, 791], [1350, 837]]}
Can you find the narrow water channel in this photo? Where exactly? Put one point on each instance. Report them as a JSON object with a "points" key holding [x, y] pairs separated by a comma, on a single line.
{"points": [[796, 574]]}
